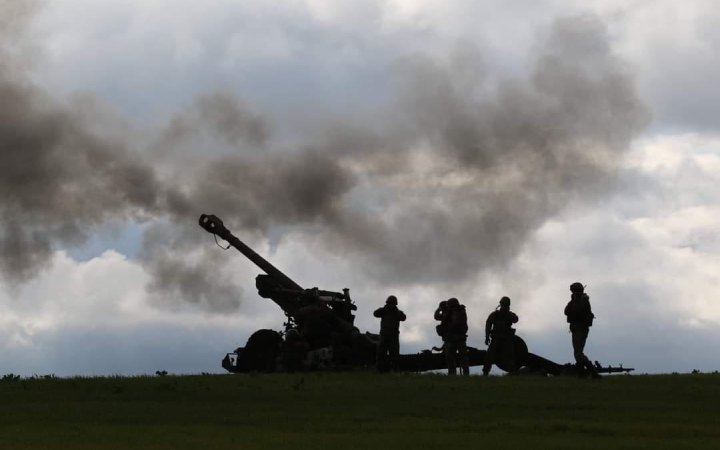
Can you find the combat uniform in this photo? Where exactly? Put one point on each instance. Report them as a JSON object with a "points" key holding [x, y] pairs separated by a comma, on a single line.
{"points": [[580, 317], [453, 329], [501, 335], [388, 351]]}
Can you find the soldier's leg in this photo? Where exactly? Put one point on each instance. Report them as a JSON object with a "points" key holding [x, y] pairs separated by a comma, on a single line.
{"points": [[451, 357], [489, 357], [463, 358], [394, 352], [381, 358], [584, 360], [579, 338]]}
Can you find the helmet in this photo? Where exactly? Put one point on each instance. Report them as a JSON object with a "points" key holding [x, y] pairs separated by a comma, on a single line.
{"points": [[453, 302], [577, 288], [505, 301], [292, 333], [391, 300]]}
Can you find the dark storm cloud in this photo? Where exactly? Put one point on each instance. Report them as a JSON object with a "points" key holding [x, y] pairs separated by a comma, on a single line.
{"points": [[461, 175]]}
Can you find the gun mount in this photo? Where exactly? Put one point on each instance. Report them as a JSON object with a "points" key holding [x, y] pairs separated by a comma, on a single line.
{"points": [[320, 331]]}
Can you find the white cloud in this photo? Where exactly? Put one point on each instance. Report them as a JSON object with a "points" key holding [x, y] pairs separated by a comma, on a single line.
{"points": [[94, 317], [76, 293]]}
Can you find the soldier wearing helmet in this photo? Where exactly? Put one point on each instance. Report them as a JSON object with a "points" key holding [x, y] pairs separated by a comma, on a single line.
{"points": [[580, 317], [453, 330], [388, 350], [499, 336]]}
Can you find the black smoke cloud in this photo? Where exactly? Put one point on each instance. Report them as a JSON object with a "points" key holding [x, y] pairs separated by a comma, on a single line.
{"points": [[467, 166], [501, 156], [253, 195]]}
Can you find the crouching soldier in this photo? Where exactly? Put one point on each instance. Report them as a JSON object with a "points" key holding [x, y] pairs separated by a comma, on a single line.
{"points": [[500, 337], [389, 347], [453, 330]]}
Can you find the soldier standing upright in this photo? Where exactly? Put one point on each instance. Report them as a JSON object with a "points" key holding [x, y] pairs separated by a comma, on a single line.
{"points": [[500, 337], [389, 346], [453, 330], [580, 317]]}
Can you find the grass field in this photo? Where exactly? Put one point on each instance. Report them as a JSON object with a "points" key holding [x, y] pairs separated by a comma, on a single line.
{"points": [[359, 411]]}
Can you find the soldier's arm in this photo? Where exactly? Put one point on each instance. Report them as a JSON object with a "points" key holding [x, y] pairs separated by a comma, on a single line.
{"points": [[401, 316], [514, 318], [379, 312], [488, 325]]}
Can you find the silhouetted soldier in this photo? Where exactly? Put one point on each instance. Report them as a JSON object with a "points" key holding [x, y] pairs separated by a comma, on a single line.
{"points": [[500, 336], [389, 346], [580, 317], [453, 330]]}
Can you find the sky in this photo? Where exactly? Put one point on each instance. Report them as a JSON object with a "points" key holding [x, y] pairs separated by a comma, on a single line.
{"points": [[469, 149]]}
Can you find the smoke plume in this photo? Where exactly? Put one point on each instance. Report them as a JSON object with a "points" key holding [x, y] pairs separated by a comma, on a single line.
{"points": [[469, 166], [501, 156]]}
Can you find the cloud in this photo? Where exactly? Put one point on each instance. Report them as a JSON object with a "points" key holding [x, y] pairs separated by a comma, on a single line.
{"points": [[93, 318], [672, 48]]}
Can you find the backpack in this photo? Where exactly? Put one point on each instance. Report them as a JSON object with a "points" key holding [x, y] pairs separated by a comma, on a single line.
{"points": [[578, 311], [457, 323]]}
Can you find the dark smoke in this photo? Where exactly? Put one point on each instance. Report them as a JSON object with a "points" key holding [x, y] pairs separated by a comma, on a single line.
{"points": [[59, 182], [180, 269], [500, 156], [467, 169]]}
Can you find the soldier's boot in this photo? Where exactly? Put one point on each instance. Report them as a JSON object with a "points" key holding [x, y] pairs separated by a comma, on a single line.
{"points": [[593, 372], [580, 370], [589, 368]]}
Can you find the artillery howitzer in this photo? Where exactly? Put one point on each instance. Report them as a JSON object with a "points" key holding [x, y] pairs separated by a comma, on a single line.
{"points": [[320, 333]]}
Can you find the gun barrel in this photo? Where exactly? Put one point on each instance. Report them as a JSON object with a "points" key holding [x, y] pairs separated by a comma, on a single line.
{"points": [[212, 224]]}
